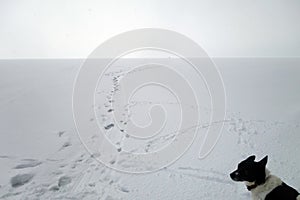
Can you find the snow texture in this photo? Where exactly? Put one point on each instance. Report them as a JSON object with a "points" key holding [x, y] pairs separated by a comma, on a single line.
{"points": [[20, 179], [28, 164], [41, 156]]}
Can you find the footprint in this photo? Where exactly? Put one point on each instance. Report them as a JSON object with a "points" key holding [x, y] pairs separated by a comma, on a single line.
{"points": [[54, 188], [32, 163], [3, 156], [60, 133], [65, 145], [109, 126], [21, 179], [123, 189], [64, 180]]}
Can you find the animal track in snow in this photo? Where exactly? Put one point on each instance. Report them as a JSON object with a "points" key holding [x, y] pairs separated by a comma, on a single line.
{"points": [[21, 179], [28, 164], [64, 180]]}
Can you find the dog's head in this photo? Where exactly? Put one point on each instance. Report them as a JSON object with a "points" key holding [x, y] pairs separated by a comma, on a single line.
{"points": [[250, 171]]}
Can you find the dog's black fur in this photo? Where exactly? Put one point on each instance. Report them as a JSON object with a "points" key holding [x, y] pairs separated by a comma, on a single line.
{"points": [[261, 184]]}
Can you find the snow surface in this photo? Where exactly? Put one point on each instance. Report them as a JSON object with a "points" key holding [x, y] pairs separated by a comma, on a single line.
{"points": [[41, 156], [21, 179]]}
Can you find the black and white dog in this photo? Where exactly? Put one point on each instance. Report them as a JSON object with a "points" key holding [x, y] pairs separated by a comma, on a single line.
{"points": [[261, 183]]}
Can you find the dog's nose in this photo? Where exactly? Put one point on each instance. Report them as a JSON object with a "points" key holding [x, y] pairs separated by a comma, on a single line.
{"points": [[233, 175]]}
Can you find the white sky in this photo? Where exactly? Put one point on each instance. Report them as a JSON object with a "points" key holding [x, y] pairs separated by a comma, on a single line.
{"points": [[72, 29]]}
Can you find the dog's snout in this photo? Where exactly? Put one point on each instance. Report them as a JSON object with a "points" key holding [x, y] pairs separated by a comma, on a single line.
{"points": [[234, 175]]}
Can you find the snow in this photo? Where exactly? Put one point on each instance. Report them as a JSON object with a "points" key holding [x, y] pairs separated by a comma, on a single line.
{"points": [[41, 156], [20, 179], [27, 164], [64, 180]]}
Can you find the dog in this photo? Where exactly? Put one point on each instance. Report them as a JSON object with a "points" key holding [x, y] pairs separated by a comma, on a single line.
{"points": [[261, 184]]}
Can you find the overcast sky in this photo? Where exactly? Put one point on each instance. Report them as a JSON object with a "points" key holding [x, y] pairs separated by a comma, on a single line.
{"points": [[72, 29]]}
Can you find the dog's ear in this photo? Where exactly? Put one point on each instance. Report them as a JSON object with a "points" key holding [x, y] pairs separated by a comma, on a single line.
{"points": [[252, 158], [264, 161]]}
